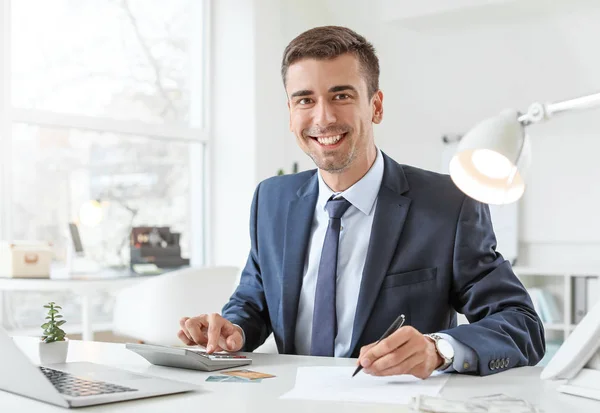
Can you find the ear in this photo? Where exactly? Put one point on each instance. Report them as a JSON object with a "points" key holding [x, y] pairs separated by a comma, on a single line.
{"points": [[290, 113], [377, 105]]}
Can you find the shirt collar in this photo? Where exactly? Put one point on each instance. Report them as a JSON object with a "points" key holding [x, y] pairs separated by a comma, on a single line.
{"points": [[362, 194]]}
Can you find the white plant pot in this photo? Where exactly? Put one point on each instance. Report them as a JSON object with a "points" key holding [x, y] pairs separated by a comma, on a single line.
{"points": [[56, 352]]}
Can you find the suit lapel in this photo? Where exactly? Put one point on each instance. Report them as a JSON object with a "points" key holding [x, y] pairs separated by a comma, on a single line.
{"points": [[390, 216], [297, 232]]}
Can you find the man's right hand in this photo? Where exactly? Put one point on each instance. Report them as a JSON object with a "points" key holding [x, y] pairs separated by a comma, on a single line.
{"points": [[212, 331]]}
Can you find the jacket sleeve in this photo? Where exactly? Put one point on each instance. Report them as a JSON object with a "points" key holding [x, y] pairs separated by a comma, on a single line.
{"points": [[504, 329], [247, 307]]}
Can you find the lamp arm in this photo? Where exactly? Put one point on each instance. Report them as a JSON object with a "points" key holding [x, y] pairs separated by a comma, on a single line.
{"points": [[539, 112]]}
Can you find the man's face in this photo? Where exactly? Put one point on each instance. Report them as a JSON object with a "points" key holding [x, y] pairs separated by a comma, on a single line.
{"points": [[331, 113]]}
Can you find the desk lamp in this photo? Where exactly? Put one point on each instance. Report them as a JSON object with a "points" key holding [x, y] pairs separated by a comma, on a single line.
{"points": [[493, 157], [489, 166]]}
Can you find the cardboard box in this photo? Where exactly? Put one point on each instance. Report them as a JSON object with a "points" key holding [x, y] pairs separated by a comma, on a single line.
{"points": [[20, 259]]}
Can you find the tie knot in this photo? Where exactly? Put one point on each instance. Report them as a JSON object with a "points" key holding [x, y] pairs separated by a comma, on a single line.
{"points": [[337, 207]]}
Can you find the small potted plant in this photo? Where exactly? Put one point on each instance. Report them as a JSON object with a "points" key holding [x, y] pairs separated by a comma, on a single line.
{"points": [[53, 345]]}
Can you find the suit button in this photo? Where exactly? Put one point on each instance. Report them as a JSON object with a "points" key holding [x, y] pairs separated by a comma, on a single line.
{"points": [[497, 364], [492, 365], [507, 361], [503, 363]]}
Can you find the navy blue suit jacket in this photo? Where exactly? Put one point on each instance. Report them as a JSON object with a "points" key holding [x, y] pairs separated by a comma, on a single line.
{"points": [[431, 254]]}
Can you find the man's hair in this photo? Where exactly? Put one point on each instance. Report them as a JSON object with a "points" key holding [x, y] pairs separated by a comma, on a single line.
{"points": [[329, 42]]}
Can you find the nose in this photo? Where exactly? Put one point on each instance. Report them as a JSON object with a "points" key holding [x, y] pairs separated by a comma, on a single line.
{"points": [[324, 114]]}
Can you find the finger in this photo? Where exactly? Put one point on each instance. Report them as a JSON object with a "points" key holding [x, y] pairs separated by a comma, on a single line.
{"points": [[409, 366], [183, 327], [232, 336], [366, 348], [222, 341], [185, 339], [363, 350], [215, 324], [235, 341], [397, 356], [387, 345], [194, 326]]}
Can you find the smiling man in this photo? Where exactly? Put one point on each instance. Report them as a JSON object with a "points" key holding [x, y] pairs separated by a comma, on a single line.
{"points": [[338, 253]]}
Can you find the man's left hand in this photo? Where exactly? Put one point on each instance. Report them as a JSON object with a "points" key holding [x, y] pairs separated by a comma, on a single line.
{"points": [[406, 351]]}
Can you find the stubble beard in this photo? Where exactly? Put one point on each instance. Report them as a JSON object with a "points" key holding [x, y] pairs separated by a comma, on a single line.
{"points": [[334, 165]]}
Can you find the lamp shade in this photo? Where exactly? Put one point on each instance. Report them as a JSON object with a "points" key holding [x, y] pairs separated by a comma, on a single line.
{"points": [[492, 159]]}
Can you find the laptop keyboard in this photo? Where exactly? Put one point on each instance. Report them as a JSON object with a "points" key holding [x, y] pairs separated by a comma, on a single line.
{"points": [[74, 386]]}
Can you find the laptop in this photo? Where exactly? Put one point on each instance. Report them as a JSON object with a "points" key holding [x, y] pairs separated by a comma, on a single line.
{"points": [[76, 384]]}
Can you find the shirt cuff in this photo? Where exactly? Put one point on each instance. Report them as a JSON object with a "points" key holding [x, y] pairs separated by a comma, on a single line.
{"points": [[465, 359], [243, 335]]}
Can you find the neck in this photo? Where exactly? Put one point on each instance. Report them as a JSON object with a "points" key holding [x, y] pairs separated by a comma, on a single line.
{"points": [[340, 181]]}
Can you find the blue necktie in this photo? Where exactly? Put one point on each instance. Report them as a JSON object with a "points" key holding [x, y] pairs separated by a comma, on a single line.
{"points": [[324, 328]]}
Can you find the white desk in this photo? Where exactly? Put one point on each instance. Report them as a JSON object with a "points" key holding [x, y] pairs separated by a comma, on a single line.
{"points": [[84, 285], [264, 397]]}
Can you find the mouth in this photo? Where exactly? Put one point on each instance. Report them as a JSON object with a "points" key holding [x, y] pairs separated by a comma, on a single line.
{"points": [[329, 141]]}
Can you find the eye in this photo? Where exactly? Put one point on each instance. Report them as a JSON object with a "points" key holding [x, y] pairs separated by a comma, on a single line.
{"points": [[304, 101], [341, 96]]}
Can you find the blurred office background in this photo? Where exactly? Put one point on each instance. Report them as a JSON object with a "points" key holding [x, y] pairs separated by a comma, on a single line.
{"points": [[176, 109]]}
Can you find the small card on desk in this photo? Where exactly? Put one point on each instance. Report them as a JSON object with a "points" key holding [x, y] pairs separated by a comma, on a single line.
{"points": [[231, 379], [248, 374]]}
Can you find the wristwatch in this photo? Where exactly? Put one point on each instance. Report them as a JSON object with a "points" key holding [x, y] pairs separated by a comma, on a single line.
{"points": [[444, 349]]}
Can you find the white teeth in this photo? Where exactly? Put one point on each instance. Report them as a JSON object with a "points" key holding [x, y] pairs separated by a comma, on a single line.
{"points": [[329, 140]]}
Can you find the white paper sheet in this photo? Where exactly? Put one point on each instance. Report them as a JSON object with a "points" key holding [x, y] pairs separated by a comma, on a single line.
{"points": [[337, 384]]}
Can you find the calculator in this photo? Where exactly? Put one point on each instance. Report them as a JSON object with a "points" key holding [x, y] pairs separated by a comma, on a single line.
{"points": [[187, 358]]}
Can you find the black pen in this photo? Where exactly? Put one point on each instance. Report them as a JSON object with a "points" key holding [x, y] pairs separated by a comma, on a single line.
{"points": [[398, 322]]}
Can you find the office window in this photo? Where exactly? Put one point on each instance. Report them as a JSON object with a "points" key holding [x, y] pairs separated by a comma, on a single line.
{"points": [[123, 59], [101, 100]]}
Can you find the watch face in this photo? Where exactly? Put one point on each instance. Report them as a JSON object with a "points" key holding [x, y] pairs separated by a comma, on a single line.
{"points": [[446, 349]]}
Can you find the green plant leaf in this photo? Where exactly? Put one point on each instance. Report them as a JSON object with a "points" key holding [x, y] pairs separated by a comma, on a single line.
{"points": [[58, 316], [48, 318], [46, 306], [44, 326], [60, 323], [52, 312], [58, 306]]}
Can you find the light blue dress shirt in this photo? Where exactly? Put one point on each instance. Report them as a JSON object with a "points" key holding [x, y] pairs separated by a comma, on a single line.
{"points": [[354, 240]]}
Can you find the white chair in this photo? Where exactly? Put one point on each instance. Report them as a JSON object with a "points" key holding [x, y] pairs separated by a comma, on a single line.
{"points": [[150, 311]]}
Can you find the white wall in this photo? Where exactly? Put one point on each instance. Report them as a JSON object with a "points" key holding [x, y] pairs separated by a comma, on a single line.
{"points": [[442, 74], [233, 136], [248, 118]]}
